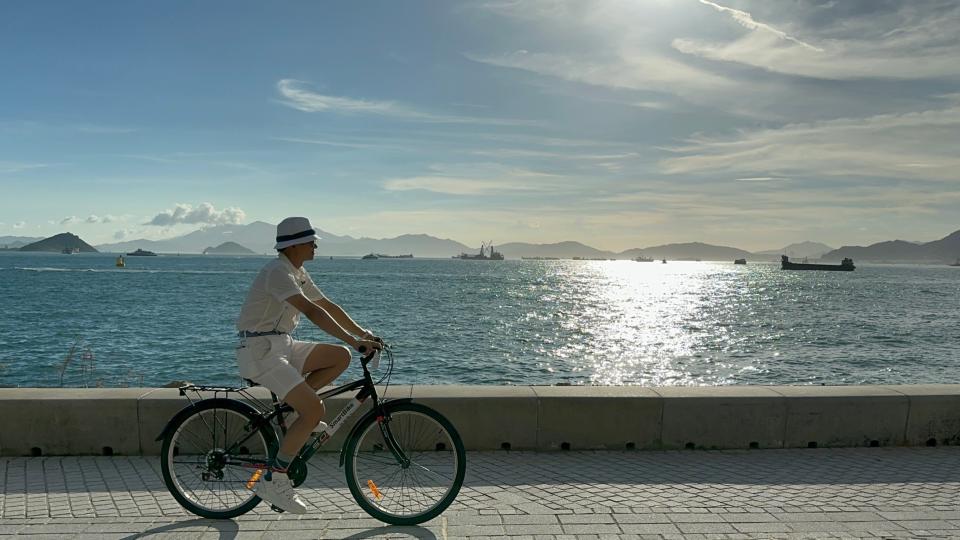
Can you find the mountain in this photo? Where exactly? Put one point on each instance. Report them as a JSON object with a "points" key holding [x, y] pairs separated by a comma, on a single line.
{"points": [[59, 242], [814, 250], [228, 248], [13, 242], [563, 250], [947, 249], [257, 236], [260, 238], [688, 251]]}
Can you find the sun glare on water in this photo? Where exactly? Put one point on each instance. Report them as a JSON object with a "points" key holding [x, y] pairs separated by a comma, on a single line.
{"points": [[645, 323]]}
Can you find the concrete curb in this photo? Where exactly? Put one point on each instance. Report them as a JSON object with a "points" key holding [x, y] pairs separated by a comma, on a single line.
{"points": [[72, 421]]}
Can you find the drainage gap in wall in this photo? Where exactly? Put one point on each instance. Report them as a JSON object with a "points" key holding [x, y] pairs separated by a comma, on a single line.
{"points": [[564, 446], [931, 442], [812, 444], [36, 452], [874, 444], [504, 446], [107, 451], [754, 445], [690, 446], [631, 446]]}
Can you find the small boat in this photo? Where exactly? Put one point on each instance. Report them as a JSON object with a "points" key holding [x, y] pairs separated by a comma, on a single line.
{"points": [[956, 263], [664, 261], [70, 251], [370, 256], [641, 258], [845, 266], [141, 253], [120, 262], [740, 261]]}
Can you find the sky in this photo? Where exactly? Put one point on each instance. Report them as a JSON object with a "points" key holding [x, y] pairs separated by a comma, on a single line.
{"points": [[618, 124]]}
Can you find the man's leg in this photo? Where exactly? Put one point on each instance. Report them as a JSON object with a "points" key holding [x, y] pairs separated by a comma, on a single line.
{"points": [[324, 364], [310, 412]]}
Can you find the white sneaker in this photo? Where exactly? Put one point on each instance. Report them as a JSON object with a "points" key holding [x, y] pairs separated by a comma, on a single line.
{"points": [[280, 493]]}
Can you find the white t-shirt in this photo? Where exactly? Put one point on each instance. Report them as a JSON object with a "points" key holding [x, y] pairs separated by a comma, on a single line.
{"points": [[265, 308]]}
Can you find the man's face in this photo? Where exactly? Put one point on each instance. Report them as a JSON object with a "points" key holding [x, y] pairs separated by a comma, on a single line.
{"points": [[307, 249]]}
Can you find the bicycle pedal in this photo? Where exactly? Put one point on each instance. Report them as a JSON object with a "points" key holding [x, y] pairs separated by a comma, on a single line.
{"points": [[276, 509]]}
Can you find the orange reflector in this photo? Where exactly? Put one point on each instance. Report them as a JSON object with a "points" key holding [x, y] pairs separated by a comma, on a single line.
{"points": [[374, 490], [253, 479]]}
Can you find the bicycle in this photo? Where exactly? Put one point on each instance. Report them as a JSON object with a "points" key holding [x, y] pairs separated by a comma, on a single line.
{"points": [[404, 462]]}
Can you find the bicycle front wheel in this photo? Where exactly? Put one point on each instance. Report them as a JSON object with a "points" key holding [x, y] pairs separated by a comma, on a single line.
{"points": [[210, 453], [415, 484]]}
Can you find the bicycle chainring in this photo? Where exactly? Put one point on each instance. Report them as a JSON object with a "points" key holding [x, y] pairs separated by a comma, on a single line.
{"points": [[297, 471]]}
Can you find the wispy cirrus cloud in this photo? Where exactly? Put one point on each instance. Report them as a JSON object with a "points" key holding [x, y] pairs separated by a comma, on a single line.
{"points": [[747, 21], [13, 167], [477, 180], [297, 95], [919, 145], [204, 214], [914, 40]]}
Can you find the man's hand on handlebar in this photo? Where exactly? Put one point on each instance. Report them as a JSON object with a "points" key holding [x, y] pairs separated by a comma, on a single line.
{"points": [[365, 345], [368, 335]]}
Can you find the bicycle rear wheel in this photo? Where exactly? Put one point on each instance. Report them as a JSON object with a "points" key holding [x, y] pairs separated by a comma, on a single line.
{"points": [[412, 492], [210, 453]]}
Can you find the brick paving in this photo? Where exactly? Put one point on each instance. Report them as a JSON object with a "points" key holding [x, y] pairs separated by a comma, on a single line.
{"points": [[815, 493]]}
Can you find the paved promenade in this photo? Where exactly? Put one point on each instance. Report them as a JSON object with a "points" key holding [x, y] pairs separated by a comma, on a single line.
{"points": [[817, 493]]}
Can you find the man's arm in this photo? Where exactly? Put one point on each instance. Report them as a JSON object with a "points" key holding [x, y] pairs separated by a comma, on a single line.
{"points": [[325, 320], [341, 317]]}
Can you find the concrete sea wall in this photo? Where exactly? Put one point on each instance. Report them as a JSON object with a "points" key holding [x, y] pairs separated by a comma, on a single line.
{"points": [[70, 421]]}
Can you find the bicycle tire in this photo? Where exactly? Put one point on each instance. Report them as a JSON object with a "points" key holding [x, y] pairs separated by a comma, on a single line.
{"points": [[378, 482], [198, 467]]}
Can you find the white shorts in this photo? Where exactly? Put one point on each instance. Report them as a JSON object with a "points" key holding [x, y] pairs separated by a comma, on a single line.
{"points": [[276, 362]]}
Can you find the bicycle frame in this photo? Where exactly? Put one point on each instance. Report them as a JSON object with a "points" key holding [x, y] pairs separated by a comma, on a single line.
{"points": [[367, 389]]}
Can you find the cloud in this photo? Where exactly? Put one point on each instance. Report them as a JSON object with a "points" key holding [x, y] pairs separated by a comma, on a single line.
{"points": [[203, 214], [917, 145], [697, 51], [69, 220], [634, 69], [913, 41], [13, 167], [93, 218], [19, 224], [747, 21], [464, 180], [123, 233], [297, 96]]}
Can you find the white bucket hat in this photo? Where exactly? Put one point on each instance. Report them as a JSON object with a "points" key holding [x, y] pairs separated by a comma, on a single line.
{"points": [[293, 231]]}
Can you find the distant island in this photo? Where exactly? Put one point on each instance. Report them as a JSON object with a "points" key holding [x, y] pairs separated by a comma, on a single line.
{"points": [[228, 248], [61, 243]]}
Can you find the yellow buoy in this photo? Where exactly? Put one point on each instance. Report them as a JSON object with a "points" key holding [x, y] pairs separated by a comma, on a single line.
{"points": [[120, 263]]}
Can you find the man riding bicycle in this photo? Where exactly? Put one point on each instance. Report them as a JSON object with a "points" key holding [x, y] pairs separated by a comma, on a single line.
{"points": [[291, 369]]}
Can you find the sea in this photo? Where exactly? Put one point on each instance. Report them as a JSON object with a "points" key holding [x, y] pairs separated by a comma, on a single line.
{"points": [[79, 321]]}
